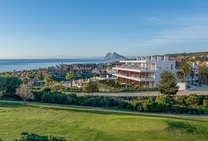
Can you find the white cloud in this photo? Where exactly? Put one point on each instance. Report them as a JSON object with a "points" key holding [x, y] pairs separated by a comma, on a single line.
{"points": [[186, 30], [154, 19]]}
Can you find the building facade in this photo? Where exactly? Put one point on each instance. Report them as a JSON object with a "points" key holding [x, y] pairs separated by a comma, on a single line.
{"points": [[144, 71], [193, 78]]}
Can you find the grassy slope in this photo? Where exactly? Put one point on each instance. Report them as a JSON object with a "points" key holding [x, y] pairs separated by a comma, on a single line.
{"points": [[87, 124]]}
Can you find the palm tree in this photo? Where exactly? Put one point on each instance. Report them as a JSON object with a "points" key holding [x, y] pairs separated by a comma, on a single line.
{"points": [[186, 69], [70, 76], [40, 78], [192, 75], [48, 80], [30, 76], [203, 72], [179, 75]]}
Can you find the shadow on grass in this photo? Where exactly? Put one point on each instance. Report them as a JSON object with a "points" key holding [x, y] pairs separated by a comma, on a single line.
{"points": [[10, 105], [183, 126]]}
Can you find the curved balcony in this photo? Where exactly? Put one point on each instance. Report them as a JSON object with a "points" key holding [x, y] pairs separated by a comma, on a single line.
{"points": [[135, 77]]}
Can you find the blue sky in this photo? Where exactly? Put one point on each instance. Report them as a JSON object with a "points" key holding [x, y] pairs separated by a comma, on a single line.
{"points": [[90, 28]]}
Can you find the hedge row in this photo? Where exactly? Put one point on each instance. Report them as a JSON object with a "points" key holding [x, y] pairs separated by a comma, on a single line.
{"points": [[164, 104]]}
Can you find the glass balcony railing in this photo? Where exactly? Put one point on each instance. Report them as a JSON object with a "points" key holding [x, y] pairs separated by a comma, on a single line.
{"points": [[135, 76]]}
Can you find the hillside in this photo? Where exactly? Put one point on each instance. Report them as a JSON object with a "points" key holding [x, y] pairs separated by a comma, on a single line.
{"points": [[185, 54], [114, 56], [197, 57]]}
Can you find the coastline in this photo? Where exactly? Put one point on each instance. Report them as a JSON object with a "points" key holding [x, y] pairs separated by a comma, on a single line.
{"points": [[9, 65]]}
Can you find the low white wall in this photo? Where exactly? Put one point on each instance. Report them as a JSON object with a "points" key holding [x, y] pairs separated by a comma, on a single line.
{"points": [[182, 86]]}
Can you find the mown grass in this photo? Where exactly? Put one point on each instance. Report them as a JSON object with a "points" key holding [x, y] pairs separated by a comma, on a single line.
{"points": [[87, 124]]}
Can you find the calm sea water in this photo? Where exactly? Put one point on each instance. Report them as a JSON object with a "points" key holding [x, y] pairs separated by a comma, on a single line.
{"points": [[27, 64]]}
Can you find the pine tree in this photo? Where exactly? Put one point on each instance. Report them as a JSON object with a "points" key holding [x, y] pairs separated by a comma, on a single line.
{"points": [[168, 84]]}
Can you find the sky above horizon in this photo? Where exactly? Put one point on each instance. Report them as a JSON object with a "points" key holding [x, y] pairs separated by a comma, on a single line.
{"points": [[91, 28]]}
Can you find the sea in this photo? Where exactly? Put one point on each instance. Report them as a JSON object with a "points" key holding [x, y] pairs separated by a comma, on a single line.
{"points": [[10, 65]]}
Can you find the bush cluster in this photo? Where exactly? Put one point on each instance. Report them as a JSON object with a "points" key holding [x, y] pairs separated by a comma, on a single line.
{"points": [[55, 97], [191, 104], [164, 104], [36, 137]]}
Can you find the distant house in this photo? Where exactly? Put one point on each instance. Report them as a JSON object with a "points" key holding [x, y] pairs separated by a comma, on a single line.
{"points": [[67, 84]]}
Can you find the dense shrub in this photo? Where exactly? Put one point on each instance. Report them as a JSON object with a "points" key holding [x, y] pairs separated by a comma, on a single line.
{"points": [[193, 99], [36, 137], [1, 139], [97, 102], [164, 99], [205, 103], [58, 87], [46, 89], [181, 100], [150, 105], [179, 104], [58, 98], [126, 105], [138, 106], [186, 110]]}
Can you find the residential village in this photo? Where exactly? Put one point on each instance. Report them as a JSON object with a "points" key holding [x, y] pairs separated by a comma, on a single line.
{"points": [[142, 71]]}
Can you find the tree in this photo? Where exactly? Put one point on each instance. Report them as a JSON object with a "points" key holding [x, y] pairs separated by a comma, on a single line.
{"points": [[180, 75], [25, 93], [192, 76], [8, 84], [203, 73], [30, 76], [40, 78], [48, 80], [1, 94], [70, 76], [186, 69], [92, 87], [103, 73], [167, 84], [25, 80]]}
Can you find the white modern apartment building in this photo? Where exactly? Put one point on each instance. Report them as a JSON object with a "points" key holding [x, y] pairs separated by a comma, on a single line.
{"points": [[144, 71], [193, 79]]}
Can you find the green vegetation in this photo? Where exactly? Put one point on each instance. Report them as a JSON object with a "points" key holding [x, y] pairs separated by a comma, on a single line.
{"points": [[118, 86], [104, 86], [48, 80], [88, 124], [24, 92], [41, 78], [31, 76], [35, 137], [192, 104], [8, 84], [92, 87], [203, 76], [70, 76], [186, 69], [197, 54], [168, 84]]}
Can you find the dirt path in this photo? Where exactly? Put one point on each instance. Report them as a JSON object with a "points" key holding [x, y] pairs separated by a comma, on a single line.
{"points": [[107, 110]]}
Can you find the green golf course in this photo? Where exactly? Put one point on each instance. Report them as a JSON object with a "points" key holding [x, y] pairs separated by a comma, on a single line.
{"points": [[82, 124]]}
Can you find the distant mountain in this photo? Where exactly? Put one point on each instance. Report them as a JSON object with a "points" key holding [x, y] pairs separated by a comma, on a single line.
{"points": [[114, 56]]}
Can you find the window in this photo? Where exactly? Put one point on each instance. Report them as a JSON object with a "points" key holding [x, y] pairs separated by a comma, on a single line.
{"points": [[171, 66]]}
